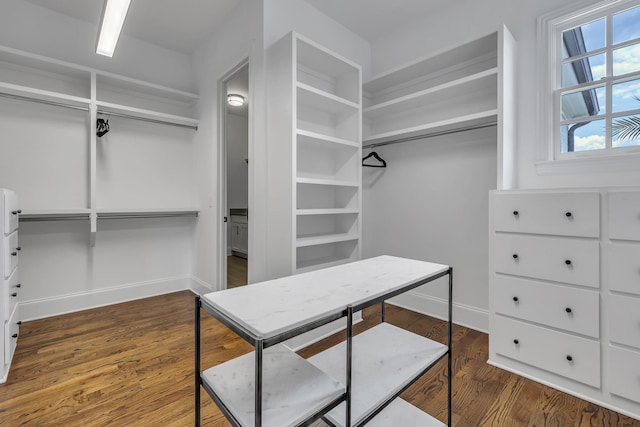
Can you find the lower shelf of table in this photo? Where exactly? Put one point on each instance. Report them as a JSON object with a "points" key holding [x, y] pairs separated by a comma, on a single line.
{"points": [[386, 359], [401, 413], [293, 389]]}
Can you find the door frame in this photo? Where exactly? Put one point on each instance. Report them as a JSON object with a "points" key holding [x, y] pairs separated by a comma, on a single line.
{"points": [[222, 172]]}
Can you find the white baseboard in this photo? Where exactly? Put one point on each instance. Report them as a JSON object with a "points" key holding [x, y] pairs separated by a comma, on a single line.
{"points": [[463, 315], [63, 304], [201, 287]]}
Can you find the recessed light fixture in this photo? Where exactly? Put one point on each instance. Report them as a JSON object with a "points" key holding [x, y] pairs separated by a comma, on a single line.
{"points": [[235, 100], [113, 14]]}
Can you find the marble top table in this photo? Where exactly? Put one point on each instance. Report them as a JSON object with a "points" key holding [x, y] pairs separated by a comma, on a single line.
{"points": [[270, 308]]}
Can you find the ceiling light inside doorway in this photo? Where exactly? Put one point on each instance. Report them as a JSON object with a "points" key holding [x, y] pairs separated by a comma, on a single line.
{"points": [[235, 100], [113, 14]]}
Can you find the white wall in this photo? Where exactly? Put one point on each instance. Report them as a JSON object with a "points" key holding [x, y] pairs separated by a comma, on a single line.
{"points": [[35, 29], [237, 168], [223, 50]]}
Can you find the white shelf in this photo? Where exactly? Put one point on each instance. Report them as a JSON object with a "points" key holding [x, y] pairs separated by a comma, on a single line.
{"points": [[482, 118], [327, 262], [293, 389], [385, 360], [108, 107], [324, 238], [335, 211], [432, 95], [321, 181], [307, 136], [11, 89], [402, 413], [325, 101]]}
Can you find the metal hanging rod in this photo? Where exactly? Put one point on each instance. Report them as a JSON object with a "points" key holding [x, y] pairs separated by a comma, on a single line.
{"points": [[146, 215], [43, 101], [144, 119], [42, 218], [431, 135]]}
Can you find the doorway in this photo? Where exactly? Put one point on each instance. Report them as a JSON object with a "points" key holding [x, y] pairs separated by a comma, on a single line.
{"points": [[235, 89]]}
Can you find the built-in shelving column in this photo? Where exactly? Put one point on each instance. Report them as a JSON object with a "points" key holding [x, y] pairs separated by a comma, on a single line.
{"points": [[315, 150]]}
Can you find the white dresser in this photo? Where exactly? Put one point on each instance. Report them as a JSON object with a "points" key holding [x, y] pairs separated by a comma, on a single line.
{"points": [[9, 214], [565, 291]]}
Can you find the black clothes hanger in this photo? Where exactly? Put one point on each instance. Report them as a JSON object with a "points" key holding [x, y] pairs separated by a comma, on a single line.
{"points": [[375, 156], [102, 127]]}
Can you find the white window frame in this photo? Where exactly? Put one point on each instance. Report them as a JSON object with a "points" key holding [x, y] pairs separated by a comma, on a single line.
{"points": [[550, 28]]}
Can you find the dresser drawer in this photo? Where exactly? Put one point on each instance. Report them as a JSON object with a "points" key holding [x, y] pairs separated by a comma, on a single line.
{"points": [[558, 259], [624, 373], [563, 214], [623, 267], [9, 289], [624, 320], [10, 211], [11, 331], [11, 251], [563, 354], [571, 309], [624, 215]]}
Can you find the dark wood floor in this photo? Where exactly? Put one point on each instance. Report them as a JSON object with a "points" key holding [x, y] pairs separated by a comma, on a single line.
{"points": [[131, 364], [236, 271]]}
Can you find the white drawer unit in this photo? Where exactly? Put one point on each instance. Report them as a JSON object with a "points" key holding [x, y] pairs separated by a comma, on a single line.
{"points": [[11, 252], [572, 309], [11, 211], [624, 370], [9, 278], [563, 354], [10, 288], [568, 285], [624, 215], [623, 266], [624, 321], [574, 261], [562, 214]]}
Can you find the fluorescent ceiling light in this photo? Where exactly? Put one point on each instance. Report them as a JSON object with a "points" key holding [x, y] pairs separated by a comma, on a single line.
{"points": [[113, 14], [235, 100]]}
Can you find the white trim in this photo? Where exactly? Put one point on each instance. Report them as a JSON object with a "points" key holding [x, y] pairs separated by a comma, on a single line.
{"points": [[590, 164], [200, 287], [464, 315], [64, 304]]}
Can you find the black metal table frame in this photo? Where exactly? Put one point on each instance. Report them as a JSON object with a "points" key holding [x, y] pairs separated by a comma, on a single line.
{"points": [[260, 344]]}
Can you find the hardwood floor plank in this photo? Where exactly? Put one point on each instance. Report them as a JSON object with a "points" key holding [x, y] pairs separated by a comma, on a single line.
{"points": [[131, 364]]}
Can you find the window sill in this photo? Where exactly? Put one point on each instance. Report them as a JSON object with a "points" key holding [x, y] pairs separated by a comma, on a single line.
{"points": [[581, 165]]}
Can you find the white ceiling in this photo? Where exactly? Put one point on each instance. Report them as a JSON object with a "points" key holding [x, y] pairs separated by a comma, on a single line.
{"points": [[175, 24], [182, 24]]}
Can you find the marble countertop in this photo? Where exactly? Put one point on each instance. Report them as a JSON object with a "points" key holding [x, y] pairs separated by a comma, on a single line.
{"points": [[269, 308]]}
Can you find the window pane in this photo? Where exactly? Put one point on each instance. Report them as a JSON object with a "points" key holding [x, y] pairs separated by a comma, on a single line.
{"points": [[625, 25], [583, 136], [585, 103], [626, 59], [583, 39], [626, 96], [583, 70], [625, 131]]}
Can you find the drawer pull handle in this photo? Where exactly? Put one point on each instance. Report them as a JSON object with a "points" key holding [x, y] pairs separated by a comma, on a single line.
{"points": [[19, 285], [15, 294], [569, 358], [568, 310], [568, 215], [516, 299], [14, 253], [516, 213], [14, 336], [516, 342], [515, 256], [568, 262], [19, 248]]}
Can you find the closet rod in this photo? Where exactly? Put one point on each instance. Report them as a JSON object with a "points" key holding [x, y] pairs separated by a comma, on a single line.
{"points": [[147, 215], [144, 119], [54, 218], [430, 135], [43, 101]]}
